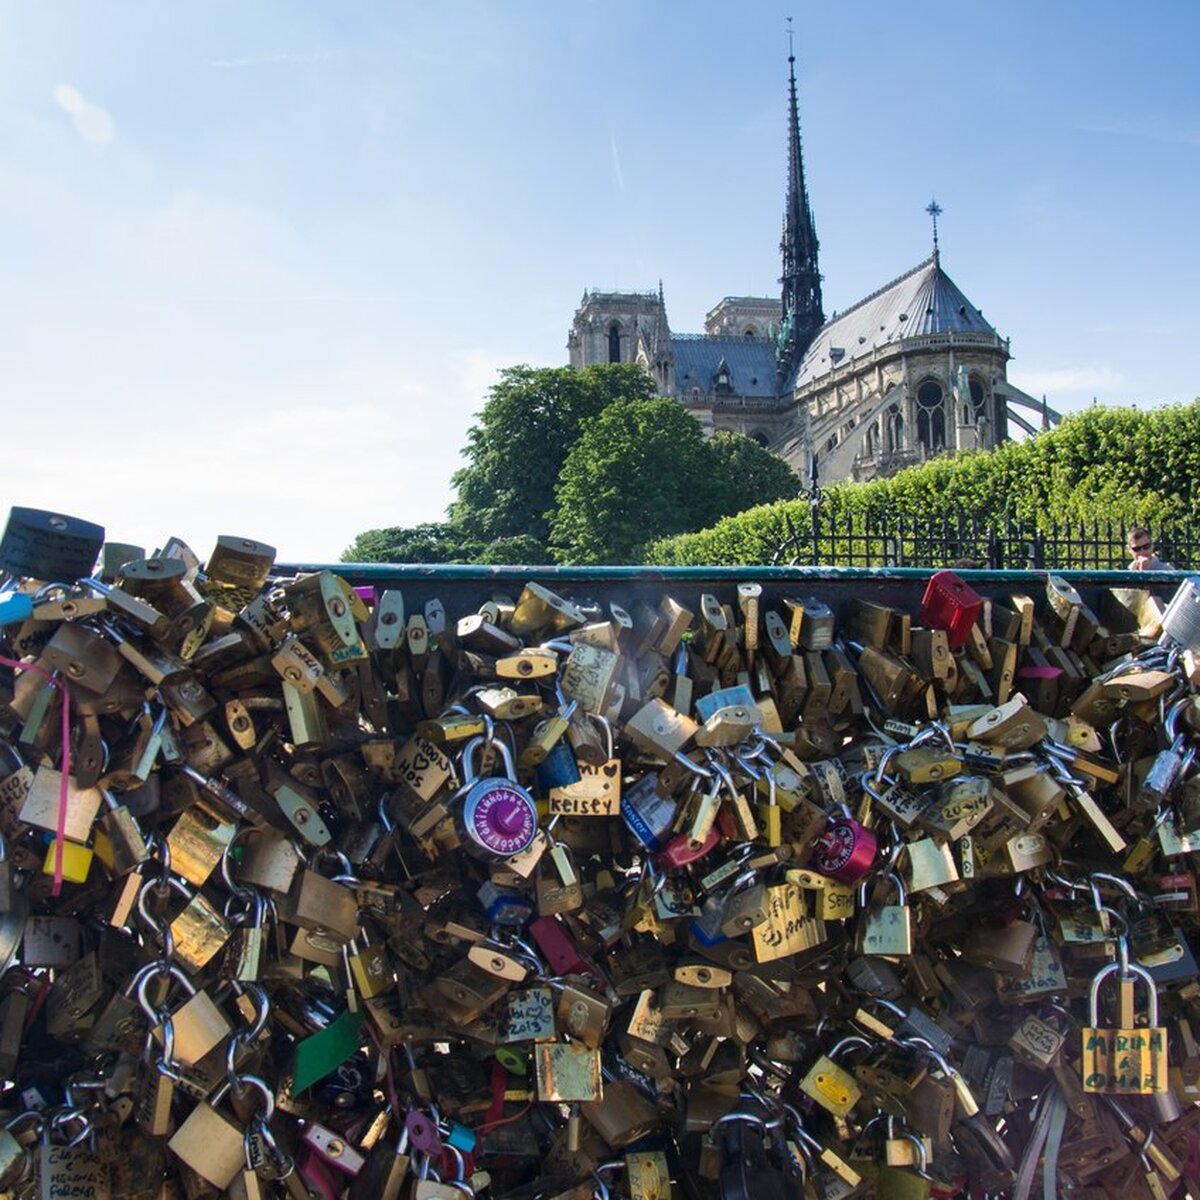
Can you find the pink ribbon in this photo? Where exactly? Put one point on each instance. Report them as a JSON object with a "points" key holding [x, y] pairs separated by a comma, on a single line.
{"points": [[61, 825]]}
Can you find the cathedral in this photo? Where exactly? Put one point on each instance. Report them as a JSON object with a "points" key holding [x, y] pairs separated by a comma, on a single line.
{"points": [[910, 371]]}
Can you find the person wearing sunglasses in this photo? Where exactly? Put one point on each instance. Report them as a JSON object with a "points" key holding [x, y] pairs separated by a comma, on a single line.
{"points": [[1141, 546]]}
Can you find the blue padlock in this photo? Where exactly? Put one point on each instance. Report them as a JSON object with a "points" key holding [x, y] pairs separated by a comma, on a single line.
{"points": [[14, 608], [559, 768]]}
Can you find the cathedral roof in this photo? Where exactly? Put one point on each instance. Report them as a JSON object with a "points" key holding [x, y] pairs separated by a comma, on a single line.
{"points": [[751, 363], [924, 301]]}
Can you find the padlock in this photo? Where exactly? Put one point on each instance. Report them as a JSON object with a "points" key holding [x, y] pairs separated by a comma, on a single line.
{"points": [[1126, 1060], [496, 817], [845, 851], [886, 930], [1181, 620], [829, 1084], [744, 905]]}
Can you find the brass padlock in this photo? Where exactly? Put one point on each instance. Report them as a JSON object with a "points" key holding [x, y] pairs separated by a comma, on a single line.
{"points": [[886, 930], [829, 1084], [1128, 1059]]}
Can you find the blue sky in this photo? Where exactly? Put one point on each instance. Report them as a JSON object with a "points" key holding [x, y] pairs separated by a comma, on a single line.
{"points": [[261, 262]]}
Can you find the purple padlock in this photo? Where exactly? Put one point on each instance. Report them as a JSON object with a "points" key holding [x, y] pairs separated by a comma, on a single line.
{"points": [[498, 818], [423, 1133]]}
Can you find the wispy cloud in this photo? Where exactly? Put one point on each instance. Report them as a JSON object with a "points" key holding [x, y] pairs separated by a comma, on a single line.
{"points": [[1054, 380], [92, 123], [279, 58], [616, 155], [1147, 133]]}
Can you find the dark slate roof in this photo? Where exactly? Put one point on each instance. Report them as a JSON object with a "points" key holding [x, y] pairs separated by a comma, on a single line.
{"points": [[924, 301], [751, 363]]}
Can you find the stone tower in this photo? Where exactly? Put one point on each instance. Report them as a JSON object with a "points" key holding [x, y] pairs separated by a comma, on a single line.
{"points": [[909, 372]]}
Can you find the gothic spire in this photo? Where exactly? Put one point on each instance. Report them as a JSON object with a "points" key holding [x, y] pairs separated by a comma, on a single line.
{"points": [[803, 314]]}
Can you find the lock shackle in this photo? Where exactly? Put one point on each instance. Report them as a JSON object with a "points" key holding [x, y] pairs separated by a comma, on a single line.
{"points": [[159, 847], [925, 1048], [252, 910], [46, 590], [1114, 969], [742, 881], [242, 891], [852, 1041], [879, 775], [65, 1115], [105, 756], [893, 878], [724, 776], [31, 1116], [606, 725], [460, 1163], [1171, 720], [747, 764], [282, 1164], [805, 1140], [151, 971], [262, 1010], [921, 1167], [657, 877], [1123, 885], [483, 742], [529, 955], [932, 732], [870, 782], [740, 1118], [1143, 1150], [241, 1084], [340, 860], [172, 884], [694, 767]]}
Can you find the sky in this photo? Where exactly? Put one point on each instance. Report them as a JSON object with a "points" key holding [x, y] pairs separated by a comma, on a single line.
{"points": [[260, 263]]}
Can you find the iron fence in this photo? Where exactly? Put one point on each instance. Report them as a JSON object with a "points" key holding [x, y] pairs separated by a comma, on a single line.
{"points": [[899, 541]]}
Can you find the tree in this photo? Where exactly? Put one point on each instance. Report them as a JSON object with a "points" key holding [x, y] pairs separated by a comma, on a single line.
{"points": [[1118, 465], [750, 475], [640, 471], [434, 542], [515, 451]]}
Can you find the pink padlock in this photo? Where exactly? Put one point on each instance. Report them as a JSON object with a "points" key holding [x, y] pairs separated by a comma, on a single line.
{"points": [[846, 851]]}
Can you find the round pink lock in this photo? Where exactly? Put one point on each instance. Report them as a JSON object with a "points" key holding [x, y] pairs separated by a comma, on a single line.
{"points": [[846, 851]]}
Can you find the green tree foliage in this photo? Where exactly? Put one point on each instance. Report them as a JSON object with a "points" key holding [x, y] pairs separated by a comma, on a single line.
{"points": [[1105, 464], [516, 449], [435, 542], [642, 470], [516, 452], [746, 474]]}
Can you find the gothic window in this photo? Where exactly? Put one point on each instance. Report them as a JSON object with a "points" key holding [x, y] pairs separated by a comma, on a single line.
{"points": [[978, 399], [749, 333], [931, 416], [614, 343]]}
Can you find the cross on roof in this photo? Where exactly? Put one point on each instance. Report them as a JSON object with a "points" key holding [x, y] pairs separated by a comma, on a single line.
{"points": [[935, 211]]}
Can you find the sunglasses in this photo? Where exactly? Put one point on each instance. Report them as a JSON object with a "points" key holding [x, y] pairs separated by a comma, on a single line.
{"points": [[1141, 547]]}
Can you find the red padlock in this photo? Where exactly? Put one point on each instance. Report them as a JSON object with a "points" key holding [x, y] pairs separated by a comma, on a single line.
{"points": [[557, 947], [680, 850], [950, 603]]}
